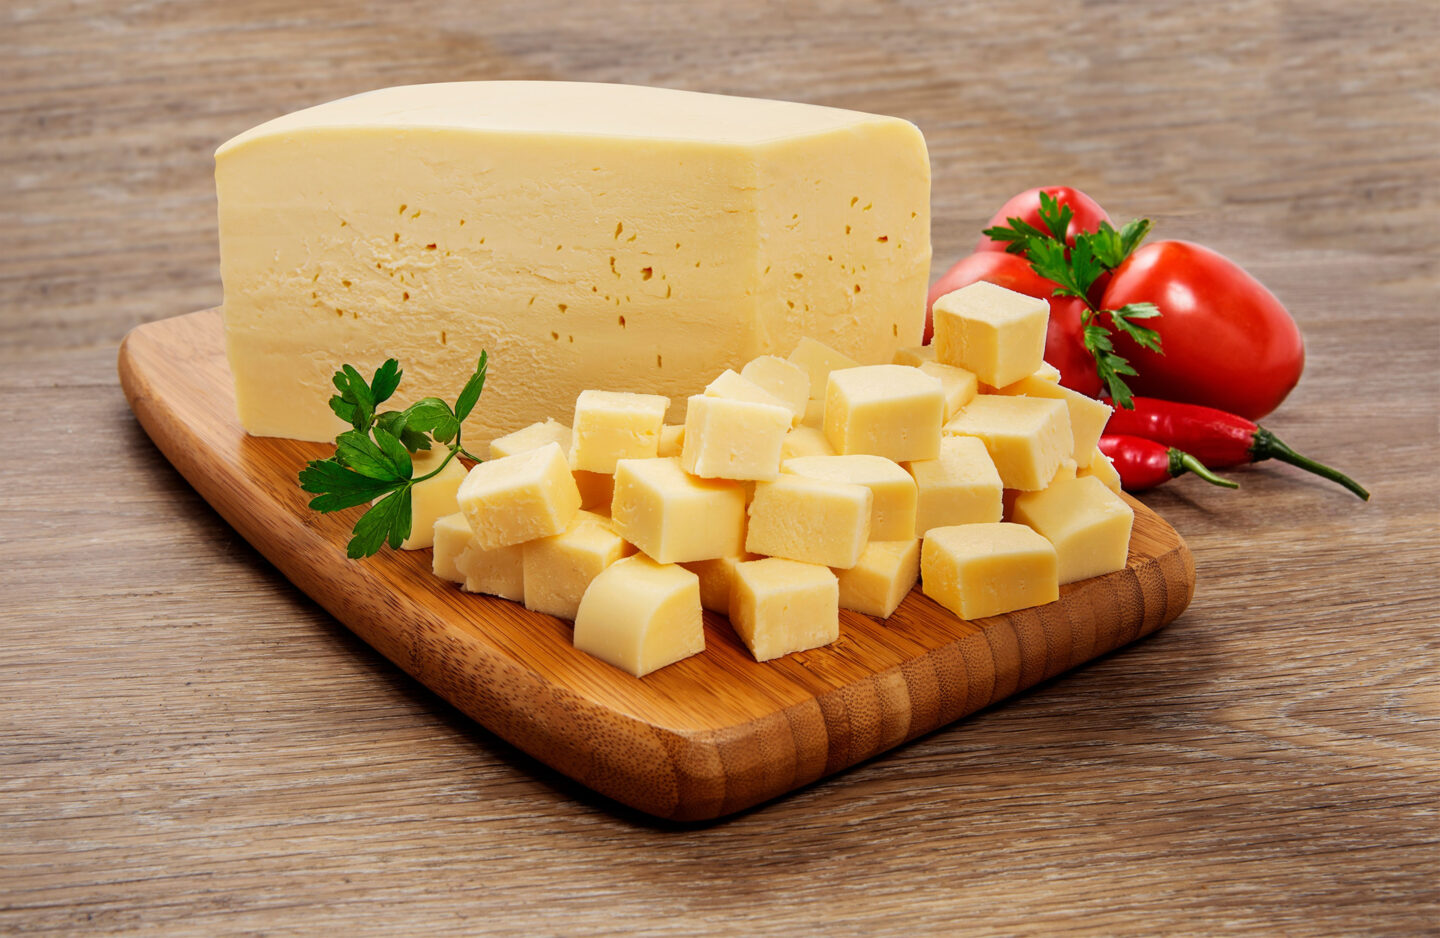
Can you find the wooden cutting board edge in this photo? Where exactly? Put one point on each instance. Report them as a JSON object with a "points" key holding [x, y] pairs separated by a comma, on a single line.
{"points": [[676, 774]]}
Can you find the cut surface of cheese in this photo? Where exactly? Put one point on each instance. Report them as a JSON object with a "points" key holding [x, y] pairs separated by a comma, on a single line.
{"points": [[640, 615], [783, 606], [787, 381], [1027, 437], [1088, 524], [534, 436], [1101, 467], [519, 498], [818, 360], [810, 520], [558, 569], [726, 438], [586, 235], [1087, 415], [499, 571], [958, 385], [716, 578], [881, 579], [892, 516], [805, 441], [451, 537], [960, 486], [674, 516], [914, 355], [613, 425], [996, 333], [885, 410], [978, 570]]}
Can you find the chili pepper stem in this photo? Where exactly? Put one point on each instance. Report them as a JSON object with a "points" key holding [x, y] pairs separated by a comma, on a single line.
{"points": [[1182, 462], [1267, 445]]}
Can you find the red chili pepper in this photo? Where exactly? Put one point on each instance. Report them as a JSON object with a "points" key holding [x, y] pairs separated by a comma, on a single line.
{"points": [[1144, 464], [1216, 438]]}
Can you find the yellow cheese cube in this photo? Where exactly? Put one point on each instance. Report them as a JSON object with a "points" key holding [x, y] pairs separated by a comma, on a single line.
{"points": [[785, 380], [434, 498], [960, 486], [783, 606], [674, 516], [557, 569], [519, 498], [732, 385], [818, 360], [596, 489], [1087, 415], [892, 515], [978, 570], [805, 441], [958, 385], [915, 355], [810, 520], [814, 414], [531, 437], [451, 536], [611, 425], [1088, 524], [996, 333], [672, 439], [716, 577], [731, 439], [640, 615], [1046, 372], [1068, 470], [884, 410], [498, 572], [1101, 467], [1027, 437], [882, 578]]}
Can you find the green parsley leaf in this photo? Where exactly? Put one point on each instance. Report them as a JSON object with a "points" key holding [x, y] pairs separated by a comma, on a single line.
{"points": [[471, 392], [386, 380], [1056, 217], [1144, 336], [388, 520]]}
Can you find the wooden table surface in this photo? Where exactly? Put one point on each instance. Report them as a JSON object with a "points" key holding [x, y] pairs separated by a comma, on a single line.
{"points": [[191, 746]]}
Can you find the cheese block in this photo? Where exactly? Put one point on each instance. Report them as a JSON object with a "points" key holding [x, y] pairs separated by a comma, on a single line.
{"points": [[519, 498], [882, 578], [674, 516], [1027, 437], [893, 411], [586, 235], [785, 380], [558, 569], [532, 437], [726, 438], [783, 606], [1088, 524], [978, 570], [810, 520], [960, 486], [892, 513], [451, 536], [996, 333], [640, 615]]}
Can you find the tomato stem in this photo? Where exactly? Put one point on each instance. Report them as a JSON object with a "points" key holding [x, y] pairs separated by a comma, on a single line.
{"points": [[1266, 445]]}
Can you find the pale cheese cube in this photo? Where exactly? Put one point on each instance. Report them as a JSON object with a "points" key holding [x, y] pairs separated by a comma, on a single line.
{"points": [[1101, 467], [451, 536], [915, 355], [892, 516], [640, 615], [727, 438], [958, 385], [736, 387], [434, 498], [782, 606], [1046, 372], [814, 414], [805, 441], [519, 498], [497, 572], [1068, 470], [672, 440], [674, 516], [818, 360], [960, 486], [996, 333], [716, 577], [1088, 524], [882, 578], [1087, 415], [534, 436], [1026, 437], [885, 410], [558, 569], [613, 425], [978, 570], [787, 381], [810, 520]]}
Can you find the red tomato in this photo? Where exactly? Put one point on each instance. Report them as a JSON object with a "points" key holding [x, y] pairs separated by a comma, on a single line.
{"points": [[1228, 341], [1026, 206], [1064, 347]]}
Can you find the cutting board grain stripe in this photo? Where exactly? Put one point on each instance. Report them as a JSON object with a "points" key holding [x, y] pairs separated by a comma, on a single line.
{"points": [[708, 736]]}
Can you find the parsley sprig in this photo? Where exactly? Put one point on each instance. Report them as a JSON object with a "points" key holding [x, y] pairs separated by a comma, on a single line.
{"points": [[372, 461], [1074, 270]]}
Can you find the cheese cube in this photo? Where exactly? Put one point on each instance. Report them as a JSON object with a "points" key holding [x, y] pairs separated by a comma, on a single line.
{"points": [[640, 615], [734, 386], [818, 360], [810, 520], [1046, 372], [996, 333], [1087, 415], [882, 578], [915, 355], [978, 570], [1068, 470], [783, 606], [884, 410], [519, 498], [958, 385], [731, 439], [672, 439], [558, 569], [613, 425], [434, 498], [960, 486], [1026, 437], [1101, 467], [716, 577], [785, 380], [587, 234], [451, 536], [892, 515], [1088, 524], [498, 572], [532, 437], [596, 489], [805, 441], [814, 414], [674, 516]]}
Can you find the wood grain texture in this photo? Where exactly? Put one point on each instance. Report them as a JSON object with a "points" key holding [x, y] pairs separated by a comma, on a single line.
{"points": [[707, 736], [189, 745]]}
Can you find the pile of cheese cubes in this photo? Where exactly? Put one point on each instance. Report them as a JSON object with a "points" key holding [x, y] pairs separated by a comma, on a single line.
{"points": [[795, 488]]}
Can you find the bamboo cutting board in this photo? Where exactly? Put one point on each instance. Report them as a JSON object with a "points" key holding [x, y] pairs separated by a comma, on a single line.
{"points": [[707, 736]]}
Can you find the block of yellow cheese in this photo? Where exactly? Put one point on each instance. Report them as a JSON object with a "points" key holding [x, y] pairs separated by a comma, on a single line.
{"points": [[958, 385], [435, 497], [881, 579], [451, 536], [810, 520], [1088, 524], [587, 235], [499, 571], [672, 439], [893, 411], [960, 486], [534, 436], [814, 414], [1087, 415], [1046, 372], [1101, 467], [805, 441], [892, 515], [733, 385], [996, 333], [674, 516], [640, 615], [978, 570], [783, 606], [914, 355], [786, 380], [1026, 437], [716, 577], [818, 360], [519, 498], [726, 438], [557, 569], [613, 425]]}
